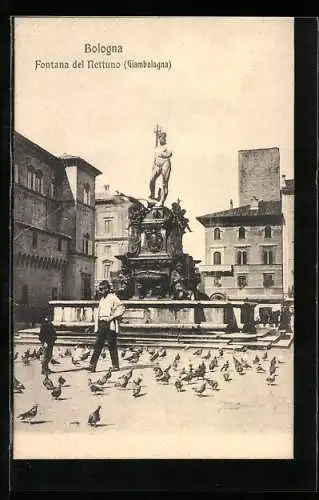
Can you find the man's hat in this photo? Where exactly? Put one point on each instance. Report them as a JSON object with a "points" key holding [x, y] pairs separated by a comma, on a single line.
{"points": [[104, 284]]}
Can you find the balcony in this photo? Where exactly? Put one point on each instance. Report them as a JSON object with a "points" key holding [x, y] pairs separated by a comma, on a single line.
{"points": [[217, 268]]}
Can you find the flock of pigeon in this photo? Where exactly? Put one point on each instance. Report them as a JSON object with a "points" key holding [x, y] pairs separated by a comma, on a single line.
{"points": [[200, 377]]}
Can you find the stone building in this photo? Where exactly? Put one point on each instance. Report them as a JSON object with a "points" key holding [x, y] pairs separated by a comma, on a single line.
{"points": [[287, 204], [54, 220], [111, 233], [244, 244], [259, 175]]}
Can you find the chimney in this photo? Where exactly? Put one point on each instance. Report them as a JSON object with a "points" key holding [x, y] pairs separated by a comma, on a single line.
{"points": [[231, 204], [107, 187]]}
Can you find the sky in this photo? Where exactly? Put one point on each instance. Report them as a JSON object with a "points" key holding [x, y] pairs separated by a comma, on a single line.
{"points": [[230, 87]]}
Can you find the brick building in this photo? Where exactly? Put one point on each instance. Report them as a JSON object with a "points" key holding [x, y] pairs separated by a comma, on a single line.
{"points": [[111, 233], [244, 244], [54, 220], [287, 203]]}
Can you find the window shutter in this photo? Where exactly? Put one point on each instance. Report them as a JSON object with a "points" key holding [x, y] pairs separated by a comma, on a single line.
{"points": [[90, 247]]}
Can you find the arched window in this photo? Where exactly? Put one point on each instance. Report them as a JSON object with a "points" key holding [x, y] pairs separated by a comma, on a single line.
{"points": [[241, 233], [217, 258], [30, 177], [267, 232], [86, 195], [241, 257], [38, 181], [217, 233]]}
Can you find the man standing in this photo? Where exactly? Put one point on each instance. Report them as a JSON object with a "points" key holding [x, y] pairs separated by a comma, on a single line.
{"points": [[110, 310], [47, 337]]}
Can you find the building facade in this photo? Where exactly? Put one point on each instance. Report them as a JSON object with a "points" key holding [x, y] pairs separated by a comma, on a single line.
{"points": [[53, 235], [287, 203], [244, 258], [111, 233], [243, 253]]}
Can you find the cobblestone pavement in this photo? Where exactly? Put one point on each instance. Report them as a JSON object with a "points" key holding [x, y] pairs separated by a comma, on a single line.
{"points": [[246, 418]]}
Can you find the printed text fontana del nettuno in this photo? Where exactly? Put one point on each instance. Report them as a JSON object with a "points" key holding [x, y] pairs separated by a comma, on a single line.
{"points": [[94, 63]]}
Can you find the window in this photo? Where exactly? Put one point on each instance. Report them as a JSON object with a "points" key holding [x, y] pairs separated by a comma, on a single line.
{"points": [[241, 257], [34, 239], [241, 233], [38, 181], [108, 225], [59, 244], [106, 270], [107, 250], [86, 195], [268, 257], [267, 232], [217, 233], [217, 281], [86, 238], [30, 177], [54, 295], [242, 281], [52, 189], [268, 280], [217, 258]]}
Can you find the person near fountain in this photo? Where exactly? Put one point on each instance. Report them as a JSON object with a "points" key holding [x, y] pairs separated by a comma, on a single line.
{"points": [[110, 310]]}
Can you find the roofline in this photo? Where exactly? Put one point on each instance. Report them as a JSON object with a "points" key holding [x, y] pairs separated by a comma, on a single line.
{"points": [[236, 220], [72, 161], [257, 149], [49, 157]]}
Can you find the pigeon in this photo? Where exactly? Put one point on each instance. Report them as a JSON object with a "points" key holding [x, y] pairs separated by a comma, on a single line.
{"points": [[17, 385], [178, 384], [56, 392], [164, 378], [240, 369], [260, 368], [265, 356], [213, 364], [162, 353], [93, 387], [150, 351], [103, 355], [177, 357], [188, 377], [55, 362], [48, 384], [61, 380], [221, 352], [272, 369], [167, 369], [94, 417], [226, 377], [207, 355], [137, 381], [212, 383], [225, 366], [105, 378], [138, 350], [175, 365], [200, 371], [75, 362], [198, 352], [199, 390], [67, 352], [154, 356], [123, 383], [245, 363], [135, 359], [15, 356], [256, 360], [28, 415], [136, 390], [270, 379]]}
